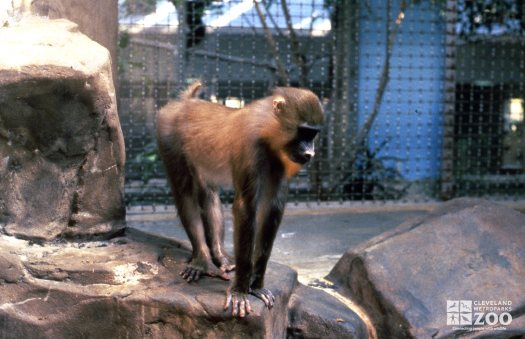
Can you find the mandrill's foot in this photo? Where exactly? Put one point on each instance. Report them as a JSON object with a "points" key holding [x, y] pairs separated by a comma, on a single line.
{"points": [[198, 267], [224, 262], [265, 295], [239, 301]]}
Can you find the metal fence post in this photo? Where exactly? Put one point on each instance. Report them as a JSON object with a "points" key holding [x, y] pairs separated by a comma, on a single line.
{"points": [[447, 162]]}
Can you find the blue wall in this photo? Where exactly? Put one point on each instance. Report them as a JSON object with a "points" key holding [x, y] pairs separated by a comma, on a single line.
{"points": [[411, 111]]}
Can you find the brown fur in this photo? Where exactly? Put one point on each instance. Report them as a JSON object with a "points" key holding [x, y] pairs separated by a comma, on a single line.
{"points": [[214, 135]]}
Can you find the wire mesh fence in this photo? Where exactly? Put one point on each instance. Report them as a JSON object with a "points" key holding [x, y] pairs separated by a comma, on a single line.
{"points": [[423, 99]]}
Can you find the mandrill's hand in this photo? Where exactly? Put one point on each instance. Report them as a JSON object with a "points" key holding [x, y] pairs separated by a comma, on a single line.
{"points": [[239, 301], [265, 295]]}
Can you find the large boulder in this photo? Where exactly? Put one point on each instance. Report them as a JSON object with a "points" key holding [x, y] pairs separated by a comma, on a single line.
{"points": [[454, 273], [313, 313], [124, 288], [61, 145]]}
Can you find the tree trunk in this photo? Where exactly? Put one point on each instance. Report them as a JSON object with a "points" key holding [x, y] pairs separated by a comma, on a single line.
{"points": [[341, 117]]}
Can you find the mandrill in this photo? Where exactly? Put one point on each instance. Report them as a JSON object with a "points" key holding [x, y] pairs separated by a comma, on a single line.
{"points": [[256, 148]]}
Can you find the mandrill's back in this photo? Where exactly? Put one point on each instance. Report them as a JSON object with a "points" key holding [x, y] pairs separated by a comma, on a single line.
{"points": [[194, 127]]}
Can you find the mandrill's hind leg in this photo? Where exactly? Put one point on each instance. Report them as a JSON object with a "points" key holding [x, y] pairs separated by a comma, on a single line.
{"points": [[212, 217], [201, 261], [186, 192]]}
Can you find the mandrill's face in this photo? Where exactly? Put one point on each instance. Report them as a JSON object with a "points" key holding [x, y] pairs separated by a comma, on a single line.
{"points": [[301, 149]]}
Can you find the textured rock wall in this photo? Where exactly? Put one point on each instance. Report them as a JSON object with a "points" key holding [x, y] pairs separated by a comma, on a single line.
{"points": [[124, 288], [97, 19], [61, 146], [467, 249]]}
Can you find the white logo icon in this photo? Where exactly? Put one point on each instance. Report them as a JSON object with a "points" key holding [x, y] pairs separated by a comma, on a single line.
{"points": [[459, 312], [452, 306], [465, 306], [452, 318]]}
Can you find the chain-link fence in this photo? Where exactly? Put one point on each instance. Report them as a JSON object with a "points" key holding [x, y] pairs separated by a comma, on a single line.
{"points": [[423, 99]]}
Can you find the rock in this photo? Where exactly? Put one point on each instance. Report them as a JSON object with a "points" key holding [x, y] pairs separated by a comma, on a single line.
{"points": [[129, 287], [123, 288], [466, 250], [97, 19], [61, 145], [316, 314]]}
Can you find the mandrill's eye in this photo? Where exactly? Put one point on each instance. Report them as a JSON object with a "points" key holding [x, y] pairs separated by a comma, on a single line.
{"points": [[307, 132]]}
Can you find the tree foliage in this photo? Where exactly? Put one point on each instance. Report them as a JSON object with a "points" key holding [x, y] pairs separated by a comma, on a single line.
{"points": [[490, 17]]}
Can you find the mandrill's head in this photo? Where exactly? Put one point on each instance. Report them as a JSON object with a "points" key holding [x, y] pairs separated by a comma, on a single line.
{"points": [[299, 115]]}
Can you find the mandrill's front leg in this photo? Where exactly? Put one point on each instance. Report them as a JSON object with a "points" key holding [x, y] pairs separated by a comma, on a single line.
{"points": [[270, 215], [244, 214], [256, 225]]}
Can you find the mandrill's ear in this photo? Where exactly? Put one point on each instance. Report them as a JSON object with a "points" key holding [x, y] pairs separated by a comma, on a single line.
{"points": [[278, 104]]}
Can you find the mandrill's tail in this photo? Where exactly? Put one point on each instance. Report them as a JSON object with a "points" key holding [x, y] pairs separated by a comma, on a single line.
{"points": [[191, 91]]}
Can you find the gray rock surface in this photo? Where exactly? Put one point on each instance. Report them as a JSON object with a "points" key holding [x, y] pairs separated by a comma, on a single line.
{"points": [[124, 288], [97, 19], [61, 145], [466, 249], [315, 314]]}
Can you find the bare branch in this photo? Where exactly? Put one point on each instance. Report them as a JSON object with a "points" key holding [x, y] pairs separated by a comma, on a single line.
{"points": [[355, 144], [281, 70], [270, 16], [294, 42], [317, 58], [226, 57], [385, 73], [202, 53], [156, 44]]}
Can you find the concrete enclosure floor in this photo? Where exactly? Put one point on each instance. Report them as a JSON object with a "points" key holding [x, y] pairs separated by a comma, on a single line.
{"points": [[310, 239]]}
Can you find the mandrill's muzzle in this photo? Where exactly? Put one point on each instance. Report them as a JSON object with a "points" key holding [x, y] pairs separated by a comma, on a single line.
{"points": [[309, 154]]}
